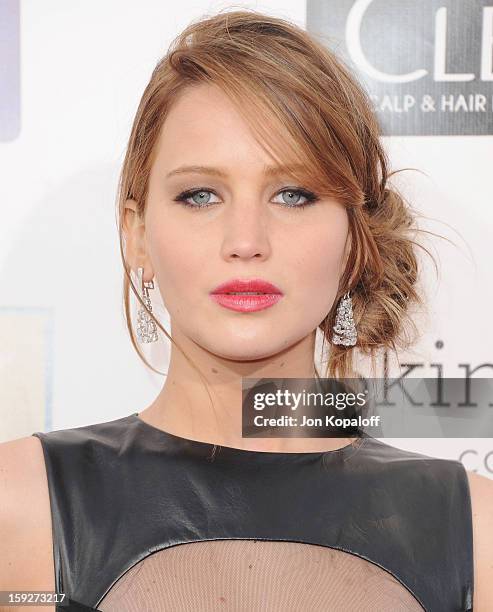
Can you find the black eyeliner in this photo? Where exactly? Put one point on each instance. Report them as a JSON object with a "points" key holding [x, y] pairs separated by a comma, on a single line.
{"points": [[181, 198]]}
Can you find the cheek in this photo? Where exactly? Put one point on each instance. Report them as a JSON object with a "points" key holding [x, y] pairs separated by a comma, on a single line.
{"points": [[318, 265], [177, 260]]}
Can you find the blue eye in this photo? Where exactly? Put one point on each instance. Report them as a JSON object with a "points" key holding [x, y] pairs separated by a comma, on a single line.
{"points": [[293, 197], [203, 200]]}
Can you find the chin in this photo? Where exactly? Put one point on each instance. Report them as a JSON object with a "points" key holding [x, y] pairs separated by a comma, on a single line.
{"points": [[236, 349]]}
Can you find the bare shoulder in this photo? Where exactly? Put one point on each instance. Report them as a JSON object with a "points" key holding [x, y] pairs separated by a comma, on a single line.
{"points": [[26, 561], [481, 489]]}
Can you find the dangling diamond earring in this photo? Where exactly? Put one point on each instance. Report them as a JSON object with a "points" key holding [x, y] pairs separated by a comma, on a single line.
{"points": [[146, 326], [345, 329]]}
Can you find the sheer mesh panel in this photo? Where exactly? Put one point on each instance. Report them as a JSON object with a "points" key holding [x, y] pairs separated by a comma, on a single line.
{"points": [[256, 575]]}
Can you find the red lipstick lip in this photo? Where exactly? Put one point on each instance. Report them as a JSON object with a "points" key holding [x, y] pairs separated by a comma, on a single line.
{"points": [[253, 284], [261, 294]]}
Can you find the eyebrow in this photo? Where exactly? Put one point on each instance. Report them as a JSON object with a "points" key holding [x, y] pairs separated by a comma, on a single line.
{"points": [[269, 171]]}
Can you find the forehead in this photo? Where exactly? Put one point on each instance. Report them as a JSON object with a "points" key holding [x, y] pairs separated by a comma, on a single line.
{"points": [[203, 126]]}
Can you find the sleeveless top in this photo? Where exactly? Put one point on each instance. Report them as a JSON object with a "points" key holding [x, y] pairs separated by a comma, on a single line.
{"points": [[145, 520]]}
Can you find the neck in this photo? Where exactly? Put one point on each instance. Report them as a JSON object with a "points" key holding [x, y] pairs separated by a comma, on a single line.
{"points": [[205, 402]]}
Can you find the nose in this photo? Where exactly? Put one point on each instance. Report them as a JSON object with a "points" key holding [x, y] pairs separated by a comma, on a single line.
{"points": [[246, 232]]}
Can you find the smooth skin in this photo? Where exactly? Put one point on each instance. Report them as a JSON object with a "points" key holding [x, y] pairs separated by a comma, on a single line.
{"points": [[250, 230]]}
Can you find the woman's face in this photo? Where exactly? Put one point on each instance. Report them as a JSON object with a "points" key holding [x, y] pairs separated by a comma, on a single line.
{"points": [[250, 228]]}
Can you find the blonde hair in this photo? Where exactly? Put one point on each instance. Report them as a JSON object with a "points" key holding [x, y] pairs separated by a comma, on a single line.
{"points": [[278, 75]]}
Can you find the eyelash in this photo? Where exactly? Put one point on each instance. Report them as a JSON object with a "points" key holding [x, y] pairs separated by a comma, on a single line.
{"points": [[311, 198]]}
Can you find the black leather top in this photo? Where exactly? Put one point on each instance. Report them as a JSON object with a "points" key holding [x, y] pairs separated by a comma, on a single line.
{"points": [[122, 489]]}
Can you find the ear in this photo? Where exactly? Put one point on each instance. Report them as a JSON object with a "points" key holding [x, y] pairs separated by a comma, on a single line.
{"points": [[134, 231]]}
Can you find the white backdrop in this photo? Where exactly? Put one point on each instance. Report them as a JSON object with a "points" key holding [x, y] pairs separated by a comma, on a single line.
{"points": [[65, 356]]}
